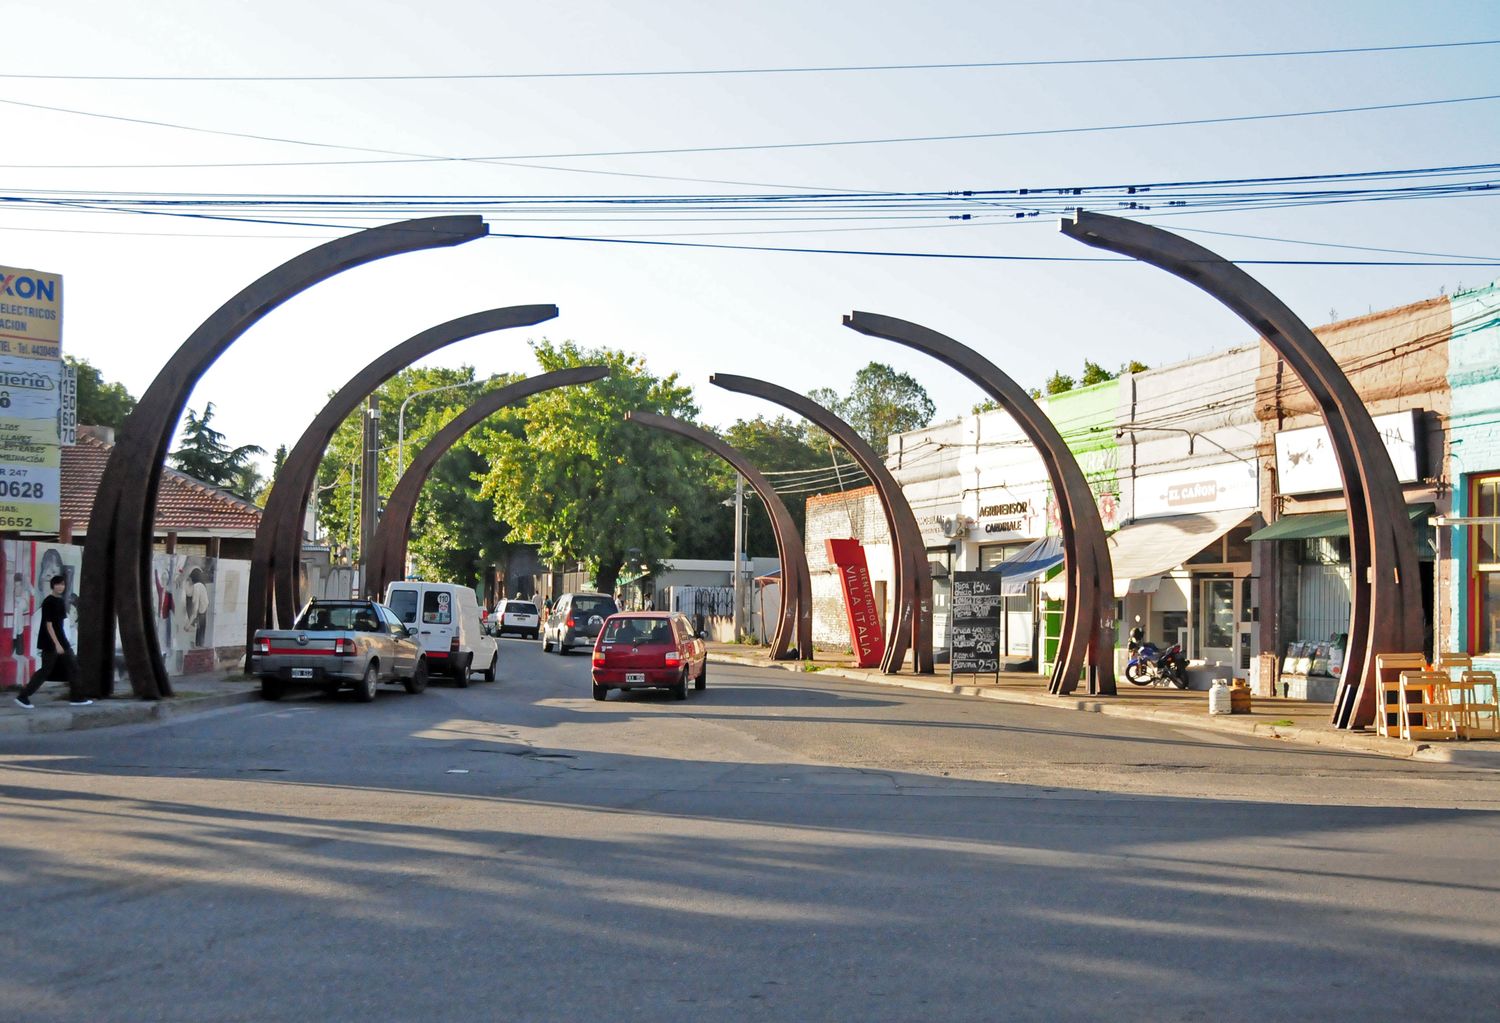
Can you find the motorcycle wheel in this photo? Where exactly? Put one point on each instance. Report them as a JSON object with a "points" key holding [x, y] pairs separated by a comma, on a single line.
{"points": [[1136, 674]]}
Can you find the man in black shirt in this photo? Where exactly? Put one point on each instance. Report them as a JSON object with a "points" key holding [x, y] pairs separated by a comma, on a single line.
{"points": [[56, 651]]}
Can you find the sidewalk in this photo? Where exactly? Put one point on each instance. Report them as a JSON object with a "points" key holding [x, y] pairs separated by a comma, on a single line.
{"points": [[52, 713], [1272, 718]]}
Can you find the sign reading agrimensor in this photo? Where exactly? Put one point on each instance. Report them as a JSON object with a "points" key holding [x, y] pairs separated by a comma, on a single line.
{"points": [[30, 399]]}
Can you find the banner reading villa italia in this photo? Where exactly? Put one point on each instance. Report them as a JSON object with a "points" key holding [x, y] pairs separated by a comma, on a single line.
{"points": [[30, 399]]}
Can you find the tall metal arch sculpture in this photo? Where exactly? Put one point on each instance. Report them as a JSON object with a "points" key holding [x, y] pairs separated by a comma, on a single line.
{"points": [[911, 617], [1385, 604], [117, 581], [796, 581], [1087, 639], [391, 536], [276, 556]]}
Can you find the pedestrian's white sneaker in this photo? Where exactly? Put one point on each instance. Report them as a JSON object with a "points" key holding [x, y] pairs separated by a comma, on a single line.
{"points": [[24, 703], [80, 703]]}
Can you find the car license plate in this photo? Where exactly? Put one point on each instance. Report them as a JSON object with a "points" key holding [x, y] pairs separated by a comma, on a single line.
{"points": [[635, 676], [301, 673]]}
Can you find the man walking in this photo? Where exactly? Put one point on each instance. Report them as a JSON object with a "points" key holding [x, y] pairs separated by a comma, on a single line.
{"points": [[53, 643]]}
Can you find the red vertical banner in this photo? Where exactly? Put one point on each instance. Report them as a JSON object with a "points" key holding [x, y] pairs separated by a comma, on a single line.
{"points": [[866, 631]]}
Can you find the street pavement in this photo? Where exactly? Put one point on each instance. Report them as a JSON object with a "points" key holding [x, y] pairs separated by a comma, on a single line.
{"points": [[778, 847]]}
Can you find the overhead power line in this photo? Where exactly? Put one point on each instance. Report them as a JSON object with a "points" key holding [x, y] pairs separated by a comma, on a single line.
{"points": [[790, 70], [407, 157]]}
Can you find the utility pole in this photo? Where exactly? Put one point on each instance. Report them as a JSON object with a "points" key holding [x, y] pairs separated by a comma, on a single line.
{"points": [[369, 500], [739, 546]]}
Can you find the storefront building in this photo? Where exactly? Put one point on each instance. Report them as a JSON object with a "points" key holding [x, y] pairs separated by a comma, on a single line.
{"points": [[1470, 566], [1227, 521]]}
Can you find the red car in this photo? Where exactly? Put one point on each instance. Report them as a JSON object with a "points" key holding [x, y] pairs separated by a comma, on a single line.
{"points": [[649, 650]]}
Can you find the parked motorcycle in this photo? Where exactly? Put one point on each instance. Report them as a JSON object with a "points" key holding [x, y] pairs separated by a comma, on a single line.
{"points": [[1151, 666]]}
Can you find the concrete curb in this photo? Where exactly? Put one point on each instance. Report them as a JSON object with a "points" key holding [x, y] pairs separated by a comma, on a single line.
{"points": [[1484, 756], [108, 713]]}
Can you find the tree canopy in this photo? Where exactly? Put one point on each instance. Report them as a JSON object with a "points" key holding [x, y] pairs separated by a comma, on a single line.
{"points": [[880, 402], [574, 478], [100, 403], [455, 535], [204, 455]]}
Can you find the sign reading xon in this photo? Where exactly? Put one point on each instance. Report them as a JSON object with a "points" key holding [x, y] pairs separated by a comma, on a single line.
{"points": [[30, 313]]}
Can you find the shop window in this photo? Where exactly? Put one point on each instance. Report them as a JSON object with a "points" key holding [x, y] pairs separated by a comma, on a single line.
{"points": [[1485, 500]]}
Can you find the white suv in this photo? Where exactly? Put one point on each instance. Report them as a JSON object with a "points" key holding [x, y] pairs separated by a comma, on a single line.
{"points": [[518, 616]]}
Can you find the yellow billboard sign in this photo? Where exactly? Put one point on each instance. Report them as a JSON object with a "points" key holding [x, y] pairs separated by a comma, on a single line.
{"points": [[30, 313]]}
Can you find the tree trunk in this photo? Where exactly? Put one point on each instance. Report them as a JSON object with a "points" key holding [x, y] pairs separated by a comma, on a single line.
{"points": [[608, 574]]}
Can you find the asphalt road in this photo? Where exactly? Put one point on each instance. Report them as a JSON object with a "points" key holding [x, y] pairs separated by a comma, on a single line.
{"points": [[779, 847]]}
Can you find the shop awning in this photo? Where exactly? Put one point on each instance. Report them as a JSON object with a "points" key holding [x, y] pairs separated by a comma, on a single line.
{"points": [[1142, 551], [1030, 561], [1319, 524]]}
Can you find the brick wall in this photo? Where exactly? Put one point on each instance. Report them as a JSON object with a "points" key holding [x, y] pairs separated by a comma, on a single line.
{"points": [[853, 513]]}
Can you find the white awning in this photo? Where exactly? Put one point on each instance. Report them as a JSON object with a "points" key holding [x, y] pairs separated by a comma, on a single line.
{"points": [[1142, 551]]}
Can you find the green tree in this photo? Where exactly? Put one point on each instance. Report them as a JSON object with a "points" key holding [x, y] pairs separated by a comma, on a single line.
{"points": [[1093, 373], [574, 478], [204, 455], [455, 536], [1134, 366], [99, 403], [779, 448], [1059, 382], [881, 402]]}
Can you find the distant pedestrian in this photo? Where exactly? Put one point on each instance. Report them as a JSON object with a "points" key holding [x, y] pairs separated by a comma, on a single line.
{"points": [[56, 651]]}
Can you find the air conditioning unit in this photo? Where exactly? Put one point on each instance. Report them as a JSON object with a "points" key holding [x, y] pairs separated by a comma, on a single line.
{"points": [[954, 526]]}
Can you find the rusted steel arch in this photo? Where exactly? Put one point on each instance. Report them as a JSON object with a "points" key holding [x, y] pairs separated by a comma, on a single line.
{"points": [[796, 579], [117, 581], [1386, 613], [1088, 639], [388, 553], [911, 615], [277, 552]]}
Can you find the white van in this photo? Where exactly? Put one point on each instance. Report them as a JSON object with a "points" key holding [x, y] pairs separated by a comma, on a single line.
{"points": [[445, 618]]}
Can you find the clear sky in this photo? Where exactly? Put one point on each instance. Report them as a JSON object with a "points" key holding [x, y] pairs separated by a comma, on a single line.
{"points": [[137, 285]]}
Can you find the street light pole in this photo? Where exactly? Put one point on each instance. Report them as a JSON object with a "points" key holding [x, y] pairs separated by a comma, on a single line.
{"points": [[401, 416], [739, 546]]}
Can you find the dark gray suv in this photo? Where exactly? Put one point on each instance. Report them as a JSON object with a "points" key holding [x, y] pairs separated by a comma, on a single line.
{"points": [[576, 619]]}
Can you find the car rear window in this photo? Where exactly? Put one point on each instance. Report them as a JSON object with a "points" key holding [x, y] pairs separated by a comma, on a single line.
{"points": [[516, 607], [341, 617], [404, 604], [601, 606], [638, 631]]}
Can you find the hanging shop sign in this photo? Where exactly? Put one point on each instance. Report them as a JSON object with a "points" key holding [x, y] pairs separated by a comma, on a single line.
{"points": [[30, 314], [1225, 487], [866, 633], [1305, 463]]}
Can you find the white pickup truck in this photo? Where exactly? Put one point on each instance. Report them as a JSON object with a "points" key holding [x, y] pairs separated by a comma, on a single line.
{"points": [[339, 644]]}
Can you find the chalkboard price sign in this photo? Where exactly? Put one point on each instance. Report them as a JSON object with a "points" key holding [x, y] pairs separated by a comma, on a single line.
{"points": [[974, 628]]}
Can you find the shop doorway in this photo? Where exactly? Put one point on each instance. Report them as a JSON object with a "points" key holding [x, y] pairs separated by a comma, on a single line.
{"points": [[1218, 620]]}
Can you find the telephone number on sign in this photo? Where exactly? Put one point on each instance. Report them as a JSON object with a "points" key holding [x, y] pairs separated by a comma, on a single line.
{"points": [[15, 521], [22, 489]]}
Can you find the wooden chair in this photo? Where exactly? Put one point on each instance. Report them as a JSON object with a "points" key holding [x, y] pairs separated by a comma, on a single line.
{"points": [[1480, 717], [1388, 669], [1424, 707]]}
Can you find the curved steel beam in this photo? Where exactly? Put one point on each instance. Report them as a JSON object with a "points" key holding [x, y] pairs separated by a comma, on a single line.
{"points": [[277, 554], [911, 615], [388, 554], [796, 579], [117, 581], [1088, 637], [1386, 611]]}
